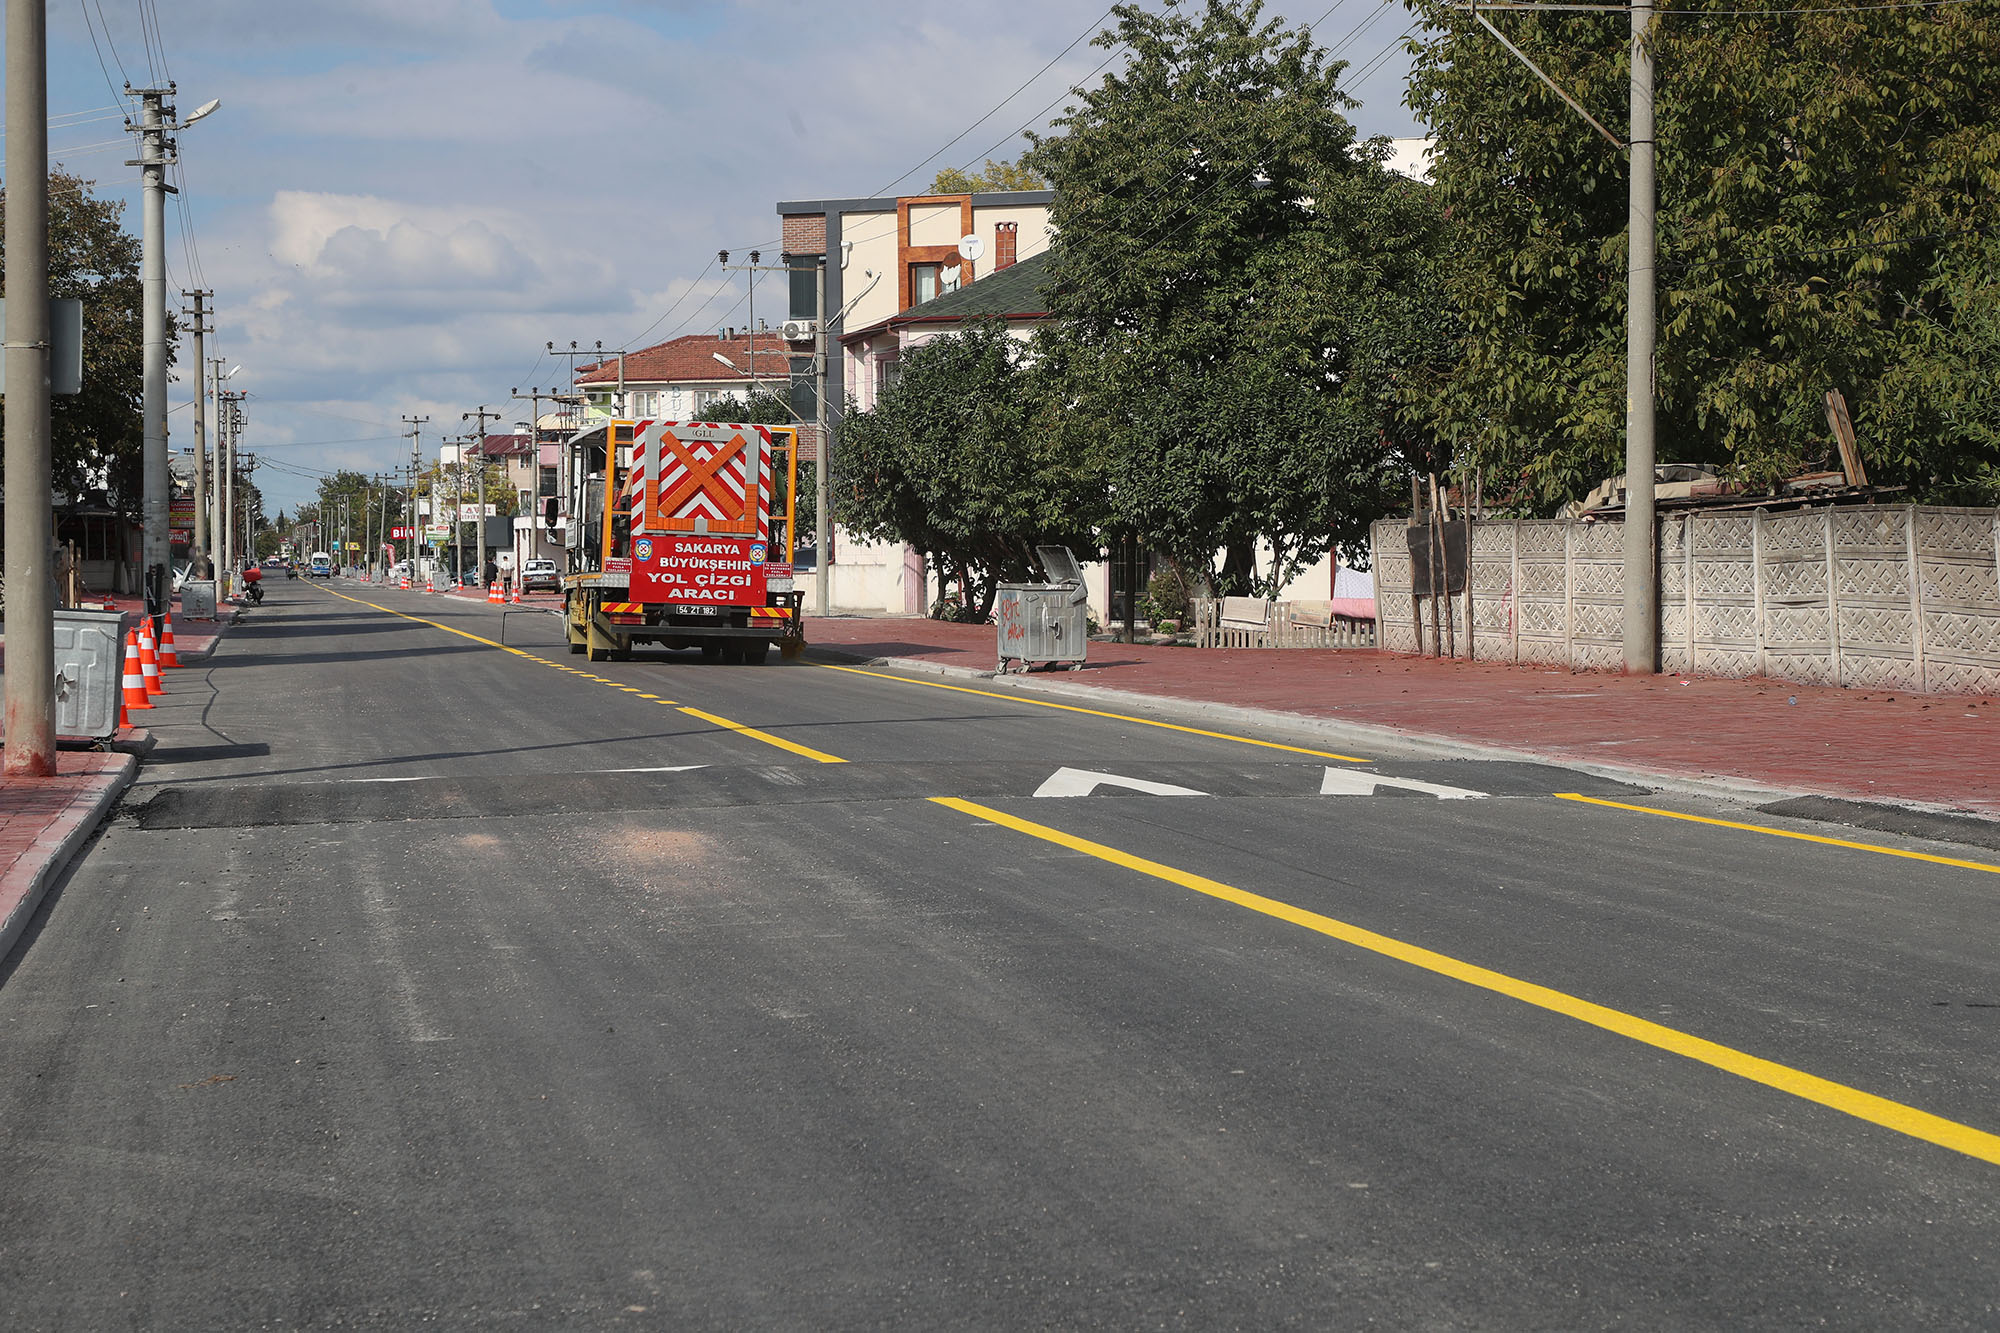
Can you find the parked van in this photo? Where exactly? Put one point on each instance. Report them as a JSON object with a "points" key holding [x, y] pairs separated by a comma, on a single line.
{"points": [[322, 565]]}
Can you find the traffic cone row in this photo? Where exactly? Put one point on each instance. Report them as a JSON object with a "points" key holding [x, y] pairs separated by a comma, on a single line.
{"points": [[141, 677], [493, 593]]}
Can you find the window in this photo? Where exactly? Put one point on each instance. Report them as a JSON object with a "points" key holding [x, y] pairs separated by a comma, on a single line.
{"points": [[1006, 238], [923, 283], [804, 279], [548, 481]]}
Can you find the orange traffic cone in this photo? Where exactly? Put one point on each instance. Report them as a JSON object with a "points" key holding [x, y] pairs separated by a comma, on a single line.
{"points": [[134, 683], [149, 662], [430, 583], [517, 592], [406, 580], [167, 656], [493, 594]]}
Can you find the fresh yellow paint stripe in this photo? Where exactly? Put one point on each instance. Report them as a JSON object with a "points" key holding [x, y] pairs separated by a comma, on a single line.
{"points": [[1786, 833], [807, 751], [1836, 1096], [1094, 712]]}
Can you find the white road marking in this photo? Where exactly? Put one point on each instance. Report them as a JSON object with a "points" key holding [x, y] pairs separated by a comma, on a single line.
{"points": [[1353, 782], [1082, 782], [672, 768]]}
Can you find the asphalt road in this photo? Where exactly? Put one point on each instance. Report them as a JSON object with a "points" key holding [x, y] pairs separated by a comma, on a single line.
{"points": [[423, 981]]}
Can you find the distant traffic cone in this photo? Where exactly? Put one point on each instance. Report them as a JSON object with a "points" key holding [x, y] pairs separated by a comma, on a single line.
{"points": [[167, 656], [493, 594], [430, 582], [134, 683], [149, 661], [517, 592], [406, 580]]}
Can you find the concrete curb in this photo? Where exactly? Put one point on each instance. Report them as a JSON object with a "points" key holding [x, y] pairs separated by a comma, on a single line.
{"points": [[1346, 735], [22, 890]]}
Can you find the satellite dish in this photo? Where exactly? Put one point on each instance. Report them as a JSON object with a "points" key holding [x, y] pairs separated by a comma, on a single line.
{"points": [[949, 276], [970, 248]]}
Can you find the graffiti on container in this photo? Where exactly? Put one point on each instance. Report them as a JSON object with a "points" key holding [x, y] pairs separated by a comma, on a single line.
{"points": [[1012, 630]]}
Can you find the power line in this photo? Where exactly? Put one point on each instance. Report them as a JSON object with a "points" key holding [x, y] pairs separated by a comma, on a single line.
{"points": [[1088, 31], [675, 306], [84, 7]]}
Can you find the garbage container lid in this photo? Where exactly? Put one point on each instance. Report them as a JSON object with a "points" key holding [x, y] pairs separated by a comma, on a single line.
{"points": [[1058, 564]]}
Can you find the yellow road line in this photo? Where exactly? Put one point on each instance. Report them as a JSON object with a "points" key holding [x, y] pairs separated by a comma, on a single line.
{"points": [[1836, 1096], [766, 737], [1096, 712], [1785, 833]]}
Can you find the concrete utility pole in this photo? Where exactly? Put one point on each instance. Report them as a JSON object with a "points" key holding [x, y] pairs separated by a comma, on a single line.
{"points": [[1641, 591], [822, 466], [201, 529], [156, 151], [416, 425], [1642, 584], [229, 418], [479, 443], [30, 592], [218, 517]]}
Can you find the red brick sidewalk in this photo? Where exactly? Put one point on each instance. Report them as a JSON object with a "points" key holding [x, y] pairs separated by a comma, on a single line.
{"points": [[1863, 744]]}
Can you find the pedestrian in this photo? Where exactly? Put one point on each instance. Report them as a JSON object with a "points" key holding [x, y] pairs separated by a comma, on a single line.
{"points": [[492, 573]]}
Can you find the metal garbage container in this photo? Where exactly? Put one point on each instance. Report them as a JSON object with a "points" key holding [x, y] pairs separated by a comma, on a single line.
{"points": [[89, 661], [1045, 622], [198, 599]]}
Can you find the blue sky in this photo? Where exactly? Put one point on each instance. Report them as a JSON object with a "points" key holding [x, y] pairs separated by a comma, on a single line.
{"points": [[402, 201]]}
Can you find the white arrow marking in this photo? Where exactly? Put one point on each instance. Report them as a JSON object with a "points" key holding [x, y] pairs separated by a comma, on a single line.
{"points": [[1353, 782], [1082, 782]]}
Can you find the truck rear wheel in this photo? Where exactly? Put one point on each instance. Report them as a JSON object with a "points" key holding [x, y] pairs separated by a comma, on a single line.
{"points": [[755, 651], [711, 650]]}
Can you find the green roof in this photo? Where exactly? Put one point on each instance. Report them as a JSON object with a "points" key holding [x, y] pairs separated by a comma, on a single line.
{"points": [[1014, 290]]}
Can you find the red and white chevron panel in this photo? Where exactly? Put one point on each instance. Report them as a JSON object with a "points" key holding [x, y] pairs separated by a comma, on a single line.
{"points": [[701, 477]]}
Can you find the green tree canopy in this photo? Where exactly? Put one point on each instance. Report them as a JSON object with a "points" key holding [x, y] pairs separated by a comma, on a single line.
{"points": [[996, 176], [1239, 290], [959, 459], [1826, 173], [97, 434]]}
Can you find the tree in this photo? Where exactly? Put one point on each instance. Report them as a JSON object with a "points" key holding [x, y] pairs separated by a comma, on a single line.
{"points": [[97, 435], [1239, 289], [958, 459], [996, 176], [1825, 175]]}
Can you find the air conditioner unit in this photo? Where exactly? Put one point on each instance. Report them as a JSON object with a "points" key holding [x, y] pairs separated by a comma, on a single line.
{"points": [[799, 330]]}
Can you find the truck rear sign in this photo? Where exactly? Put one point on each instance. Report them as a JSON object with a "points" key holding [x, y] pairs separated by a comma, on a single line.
{"points": [[673, 568]]}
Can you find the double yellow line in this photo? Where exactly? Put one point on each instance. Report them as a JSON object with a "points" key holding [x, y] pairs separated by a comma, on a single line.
{"points": [[1851, 1101]]}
